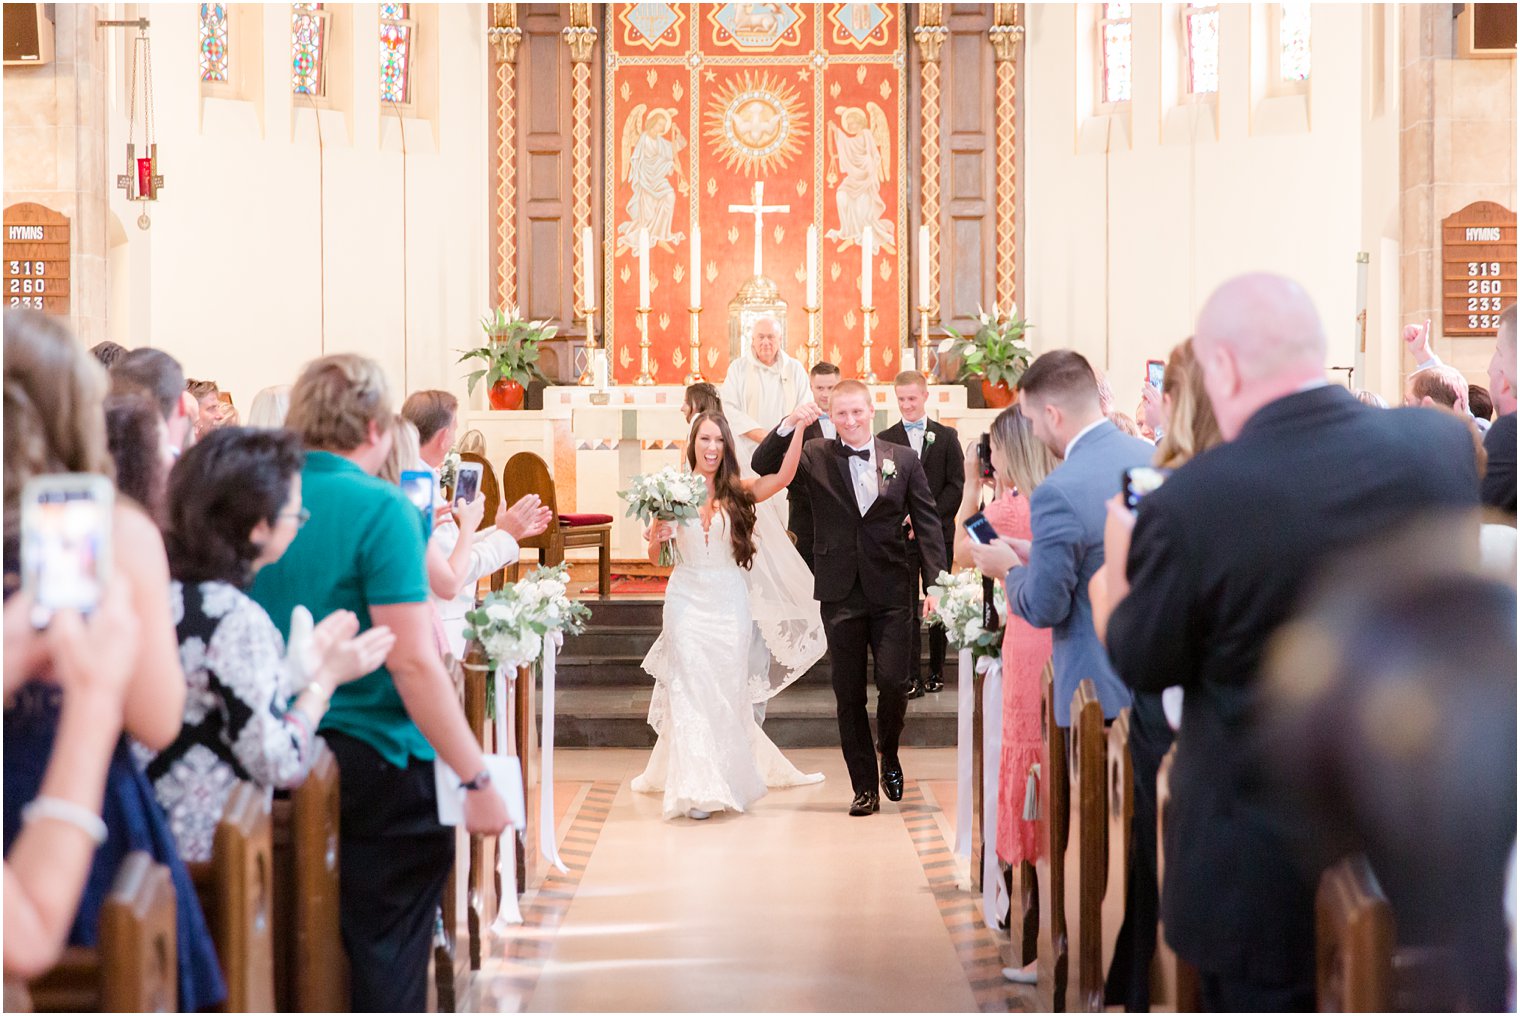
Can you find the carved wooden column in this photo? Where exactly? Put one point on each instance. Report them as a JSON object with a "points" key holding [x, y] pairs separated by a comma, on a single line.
{"points": [[930, 35], [1007, 35], [581, 37], [505, 36]]}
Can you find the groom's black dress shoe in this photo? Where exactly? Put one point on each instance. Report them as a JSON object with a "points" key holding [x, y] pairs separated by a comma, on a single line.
{"points": [[915, 688], [865, 802], [935, 683], [892, 780]]}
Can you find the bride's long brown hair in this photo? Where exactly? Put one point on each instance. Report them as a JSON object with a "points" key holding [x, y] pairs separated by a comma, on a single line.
{"points": [[728, 489]]}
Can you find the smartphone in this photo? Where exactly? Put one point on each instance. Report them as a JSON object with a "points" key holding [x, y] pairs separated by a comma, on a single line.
{"points": [[1140, 481], [467, 481], [65, 542], [417, 485], [980, 529], [984, 455], [1155, 373]]}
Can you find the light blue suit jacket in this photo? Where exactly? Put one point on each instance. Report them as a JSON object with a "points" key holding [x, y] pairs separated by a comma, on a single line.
{"points": [[1067, 514]]}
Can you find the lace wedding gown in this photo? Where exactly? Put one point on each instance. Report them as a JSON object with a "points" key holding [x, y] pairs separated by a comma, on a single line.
{"points": [[710, 754]]}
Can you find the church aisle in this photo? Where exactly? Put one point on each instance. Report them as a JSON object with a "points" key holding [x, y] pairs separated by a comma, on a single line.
{"points": [[794, 906]]}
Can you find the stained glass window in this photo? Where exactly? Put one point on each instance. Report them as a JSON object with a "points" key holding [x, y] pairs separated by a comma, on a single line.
{"points": [[213, 42], [1293, 38], [1115, 34], [395, 53], [308, 49], [1203, 47]]}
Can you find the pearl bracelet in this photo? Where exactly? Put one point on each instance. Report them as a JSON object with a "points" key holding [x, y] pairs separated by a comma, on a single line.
{"points": [[67, 812]]}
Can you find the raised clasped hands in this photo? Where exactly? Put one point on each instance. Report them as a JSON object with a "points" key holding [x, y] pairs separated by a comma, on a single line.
{"points": [[804, 416]]}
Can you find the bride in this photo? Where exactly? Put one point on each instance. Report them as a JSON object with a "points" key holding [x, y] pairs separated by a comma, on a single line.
{"points": [[710, 754]]}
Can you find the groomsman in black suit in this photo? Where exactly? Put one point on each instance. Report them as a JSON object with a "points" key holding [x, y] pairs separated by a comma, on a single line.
{"points": [[821, 380], [939, 449]]}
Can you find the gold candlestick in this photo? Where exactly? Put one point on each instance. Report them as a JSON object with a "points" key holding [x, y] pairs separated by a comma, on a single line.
{"points": [[646, 377], [587, 316], [815, 336], [923, 343], [695, 377], [867, 373]]}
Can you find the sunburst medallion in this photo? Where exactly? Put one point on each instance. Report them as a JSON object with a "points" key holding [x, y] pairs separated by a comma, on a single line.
{"points": [[756, 122]]}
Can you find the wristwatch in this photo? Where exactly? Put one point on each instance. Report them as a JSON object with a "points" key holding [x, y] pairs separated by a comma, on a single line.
{"points": [[478, 782]]}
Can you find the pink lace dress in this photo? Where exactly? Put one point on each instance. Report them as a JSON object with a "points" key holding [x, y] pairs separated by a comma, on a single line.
{"points": [[1026, 650]]}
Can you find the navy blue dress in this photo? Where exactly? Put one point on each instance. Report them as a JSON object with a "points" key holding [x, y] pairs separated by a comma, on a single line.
{"points": [[133, 820]]}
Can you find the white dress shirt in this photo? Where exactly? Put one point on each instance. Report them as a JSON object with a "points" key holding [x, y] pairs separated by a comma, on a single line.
{"points": [[827, 426], [915, 429], [1100, 421], [863, 474]]}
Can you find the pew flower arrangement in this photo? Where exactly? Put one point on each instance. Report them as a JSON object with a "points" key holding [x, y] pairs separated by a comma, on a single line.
{"points": [[514, 624], [670, 495], [448, 470], [960, 611]]}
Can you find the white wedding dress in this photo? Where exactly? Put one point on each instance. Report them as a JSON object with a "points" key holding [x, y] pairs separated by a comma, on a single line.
{"points": [[710, 755]]}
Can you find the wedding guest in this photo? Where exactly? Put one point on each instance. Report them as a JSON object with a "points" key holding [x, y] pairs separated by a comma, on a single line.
{"points": [[1126, 425], [54, 424], [1048, 575], [48, 861], [108, 352], [1440, 387], [1020, 463], [1221, 552], [214, 412], [700, 398], [235, 506], [938, 447], [138, 440], [160, 375], [269, 406], [822, 380], [363, 550], [1373, 399]]}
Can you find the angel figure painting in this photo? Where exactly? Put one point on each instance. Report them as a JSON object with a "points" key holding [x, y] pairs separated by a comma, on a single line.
{"points": [[650, 150], [860, 161]]}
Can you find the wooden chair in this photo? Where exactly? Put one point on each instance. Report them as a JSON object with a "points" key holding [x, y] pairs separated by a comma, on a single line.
{"points": [[1050, 870], [1089, 828], [311, 965], [1174, 981], [236, 896], [1354, 940], [1121, 812], [526, 473], [135, 966]]}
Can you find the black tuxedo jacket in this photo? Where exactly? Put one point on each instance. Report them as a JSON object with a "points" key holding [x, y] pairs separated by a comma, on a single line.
{"points": [[1220, 556], [944, 467], [870, 548], [799, 510]]}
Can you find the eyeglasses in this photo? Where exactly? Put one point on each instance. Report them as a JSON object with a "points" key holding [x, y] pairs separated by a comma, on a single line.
{"points": [[301, 516]]}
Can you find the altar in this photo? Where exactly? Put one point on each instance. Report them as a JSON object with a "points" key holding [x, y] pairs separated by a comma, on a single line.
{"points": [[594, 447]]}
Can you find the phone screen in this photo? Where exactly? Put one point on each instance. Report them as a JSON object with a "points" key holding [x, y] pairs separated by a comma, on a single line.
{"points": [[468, 483], [1155, 373], [417, 485], [980, 529], [65, 544], [1140, 481]]}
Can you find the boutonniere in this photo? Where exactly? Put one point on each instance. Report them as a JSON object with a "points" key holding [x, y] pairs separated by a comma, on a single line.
{"points": [[888, 469], [929, 437]]}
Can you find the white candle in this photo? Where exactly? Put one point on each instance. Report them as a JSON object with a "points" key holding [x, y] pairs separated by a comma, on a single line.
{"points": [[599, 368], [866, 242], [643, 267], [696, 267], [812, 266], [923, 266], [588, 269]]}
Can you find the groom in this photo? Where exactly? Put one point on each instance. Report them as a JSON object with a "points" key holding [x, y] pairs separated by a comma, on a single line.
{"points": [[861, 489]]}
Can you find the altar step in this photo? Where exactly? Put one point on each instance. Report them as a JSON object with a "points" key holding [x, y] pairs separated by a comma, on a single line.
{"points": [[603, 693]]}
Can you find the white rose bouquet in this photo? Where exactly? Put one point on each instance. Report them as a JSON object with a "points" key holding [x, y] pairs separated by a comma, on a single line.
{"points": [[960, 611], [513, 624], [670, 495], [448, 470]]}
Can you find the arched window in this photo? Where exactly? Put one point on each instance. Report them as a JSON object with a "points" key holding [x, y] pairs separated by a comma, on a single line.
{"points": [[213, 42], [395, 53], [1293, 41], [1115, 36], [308, 49], [1201, 22]]}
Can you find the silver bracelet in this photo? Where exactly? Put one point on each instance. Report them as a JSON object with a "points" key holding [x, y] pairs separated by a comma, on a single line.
{"points": [[67, 812]]}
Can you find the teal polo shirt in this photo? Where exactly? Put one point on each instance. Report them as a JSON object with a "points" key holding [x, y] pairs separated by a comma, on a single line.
{"points": [[363, 546]]}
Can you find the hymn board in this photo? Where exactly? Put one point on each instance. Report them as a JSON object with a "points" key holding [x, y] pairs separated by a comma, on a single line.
{"points": [[1478, 268], [36, 258]]}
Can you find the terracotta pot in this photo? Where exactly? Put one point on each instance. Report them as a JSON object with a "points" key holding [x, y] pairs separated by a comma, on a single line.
{"points": [[506, 394], [997, 396]]}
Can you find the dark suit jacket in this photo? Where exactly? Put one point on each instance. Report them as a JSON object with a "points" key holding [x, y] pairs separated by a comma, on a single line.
{"points": [[871, 548], [944, 467], [1499, 481], [799, 510], [1220, 555]]}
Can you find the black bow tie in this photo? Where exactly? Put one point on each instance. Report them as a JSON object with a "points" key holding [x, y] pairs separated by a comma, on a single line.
{"points": [[863, 454]]}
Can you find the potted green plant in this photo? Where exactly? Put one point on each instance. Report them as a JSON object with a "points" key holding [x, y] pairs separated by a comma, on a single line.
{"points": [[997, 353], [509, 358]]}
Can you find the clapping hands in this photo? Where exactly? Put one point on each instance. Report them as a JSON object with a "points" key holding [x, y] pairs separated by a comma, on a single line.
{"points": [[528, 517]]}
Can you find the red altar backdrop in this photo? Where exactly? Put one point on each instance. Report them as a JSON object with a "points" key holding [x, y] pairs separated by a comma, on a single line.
{"points": [[703, 101]]}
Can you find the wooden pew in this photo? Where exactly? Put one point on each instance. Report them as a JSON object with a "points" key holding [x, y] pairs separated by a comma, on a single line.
{"points": [[477, 672], [135, 966], [1174, 982], [236, 896], [1121, 809], [1354, 940], [1089, 831], [1050, 871], [311, 965]]}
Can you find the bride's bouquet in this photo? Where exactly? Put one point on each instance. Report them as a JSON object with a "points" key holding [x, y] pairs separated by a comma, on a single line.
{"points": [[513, 624], [670, 495], [960, 611]]}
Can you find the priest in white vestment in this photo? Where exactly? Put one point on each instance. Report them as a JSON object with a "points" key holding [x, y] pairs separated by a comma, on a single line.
{"points": [[762, 387]]}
